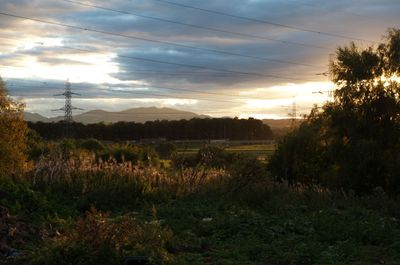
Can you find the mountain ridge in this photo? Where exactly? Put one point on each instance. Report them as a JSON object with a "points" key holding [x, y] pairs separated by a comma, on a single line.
{"points": [[144, 114], [128, 115]]}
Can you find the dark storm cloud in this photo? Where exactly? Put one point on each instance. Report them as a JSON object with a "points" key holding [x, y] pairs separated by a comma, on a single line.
{"points": [[239, 70], [169, 53]]}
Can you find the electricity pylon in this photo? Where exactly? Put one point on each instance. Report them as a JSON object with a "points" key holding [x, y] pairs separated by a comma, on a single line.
{"points": [[67, 108]]}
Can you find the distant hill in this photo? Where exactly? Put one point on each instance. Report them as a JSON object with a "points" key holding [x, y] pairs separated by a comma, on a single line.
{"points": [[129, 115], [280, 127], [278, 124], [34, 117]]}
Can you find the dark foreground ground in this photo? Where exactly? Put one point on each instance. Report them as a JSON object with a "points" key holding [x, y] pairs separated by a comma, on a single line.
{"points": [[260, 224]]}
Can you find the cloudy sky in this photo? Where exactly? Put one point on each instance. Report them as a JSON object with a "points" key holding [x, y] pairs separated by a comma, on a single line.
{"points": [[221, 58]]}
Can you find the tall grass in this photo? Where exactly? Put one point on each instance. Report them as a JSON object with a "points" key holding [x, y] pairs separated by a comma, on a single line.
{"points": [[90, 180]]}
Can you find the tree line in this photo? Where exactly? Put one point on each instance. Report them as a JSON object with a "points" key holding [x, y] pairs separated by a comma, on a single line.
{"points": [[194, 129]]}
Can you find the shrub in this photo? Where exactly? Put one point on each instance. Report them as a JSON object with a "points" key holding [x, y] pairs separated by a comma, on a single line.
{"points": [[98, 239], [245, 171], [37, 147], [130, 153], [165, 150], [67, 147], [125, 153], [212, 156], [298, 157], [92, 145], [208, 156], [20, 199]]}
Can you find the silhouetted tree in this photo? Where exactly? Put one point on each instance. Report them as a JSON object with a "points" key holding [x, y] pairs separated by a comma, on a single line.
{"points": [[354, 141]]}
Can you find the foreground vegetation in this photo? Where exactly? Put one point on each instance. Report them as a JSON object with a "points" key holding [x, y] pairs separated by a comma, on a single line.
{"points": [[212, 208], [99, 214]]}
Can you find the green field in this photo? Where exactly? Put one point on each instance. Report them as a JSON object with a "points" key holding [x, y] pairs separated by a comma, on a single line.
{"points": [[261, 151]]}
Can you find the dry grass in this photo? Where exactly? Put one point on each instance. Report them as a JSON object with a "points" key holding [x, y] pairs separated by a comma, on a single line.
{"points": [[83, 173]]}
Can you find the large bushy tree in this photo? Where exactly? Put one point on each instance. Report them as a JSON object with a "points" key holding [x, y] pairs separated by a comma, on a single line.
{"points": [[13, 131], [354, 141]]}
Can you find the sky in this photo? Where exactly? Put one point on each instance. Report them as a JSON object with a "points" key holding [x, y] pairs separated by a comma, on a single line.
{"points": [[238, 58]]}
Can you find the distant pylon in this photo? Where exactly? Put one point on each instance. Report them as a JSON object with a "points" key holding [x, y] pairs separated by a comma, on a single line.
{"points": [[67, 108], [331, 92], [294, 113], [294, 109]]}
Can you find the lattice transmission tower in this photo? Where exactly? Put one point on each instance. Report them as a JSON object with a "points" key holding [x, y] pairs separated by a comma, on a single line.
{"points": [[67, 108]]}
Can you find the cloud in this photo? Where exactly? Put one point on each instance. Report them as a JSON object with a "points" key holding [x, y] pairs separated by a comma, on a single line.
{"points": [[271, 70]]}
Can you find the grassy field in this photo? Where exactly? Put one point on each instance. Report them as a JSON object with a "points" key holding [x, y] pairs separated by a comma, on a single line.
{"points": [[261, 151], [281, 228]]}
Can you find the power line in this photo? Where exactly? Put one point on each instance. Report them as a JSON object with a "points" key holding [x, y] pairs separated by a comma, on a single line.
{"points": [[200, 92], [194, 66], [145, 72], [198, 26], [175, 73], [161, 114], [362, 16], [189, 112], [165, 96], [157, 95], [164, 73], [12, 84], [164, 88], [151, 40], [123, 113], [173, 96], [264, 21]]}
